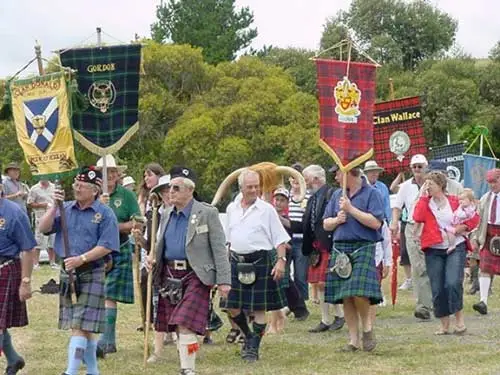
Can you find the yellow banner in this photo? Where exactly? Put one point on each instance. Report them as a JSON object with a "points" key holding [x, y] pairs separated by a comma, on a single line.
{"points": [[41, 111]]}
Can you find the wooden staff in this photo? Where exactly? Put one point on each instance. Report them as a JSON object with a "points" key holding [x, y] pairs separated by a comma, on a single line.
{"points": [[155, 200], [137, 266]]}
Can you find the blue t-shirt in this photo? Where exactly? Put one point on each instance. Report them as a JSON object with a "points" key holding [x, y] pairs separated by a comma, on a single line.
{"points": [[367, 199], [15, 230], [386, 199], [94, 226], [175, 234]]}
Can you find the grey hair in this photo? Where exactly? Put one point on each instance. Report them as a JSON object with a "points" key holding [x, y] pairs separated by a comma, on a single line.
{"points": [[189, 183], [316, 171], [244, 173]]}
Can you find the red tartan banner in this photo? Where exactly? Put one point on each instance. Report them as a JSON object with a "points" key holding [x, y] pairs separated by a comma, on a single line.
{"points": [[398, 115], [346, 111]]}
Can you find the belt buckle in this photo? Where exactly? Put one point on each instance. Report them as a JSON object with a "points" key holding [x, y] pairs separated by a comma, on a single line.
{"points": [[180, 265]]}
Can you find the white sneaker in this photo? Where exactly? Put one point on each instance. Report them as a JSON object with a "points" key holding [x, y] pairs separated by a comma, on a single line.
{"points": [[36, 266], [407, 285]]}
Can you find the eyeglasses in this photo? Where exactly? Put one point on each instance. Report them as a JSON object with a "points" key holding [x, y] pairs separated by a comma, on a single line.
{"points": [[417, 166], [175, 188]]}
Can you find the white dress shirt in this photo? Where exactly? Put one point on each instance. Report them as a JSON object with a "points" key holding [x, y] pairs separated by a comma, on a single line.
{"points": [[256, 228], [407, 196], [383, 249]]}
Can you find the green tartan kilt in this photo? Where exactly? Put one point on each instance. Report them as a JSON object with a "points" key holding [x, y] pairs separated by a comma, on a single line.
{"points": [[88, 314], [263, 295], [120, 280], [285, 281], [363, 281]]}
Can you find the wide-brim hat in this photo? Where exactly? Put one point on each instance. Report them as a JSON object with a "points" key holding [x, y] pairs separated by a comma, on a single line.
{"points": [[110, 163], [371, 165], [128, 180], [162, 182], [12, 165]]}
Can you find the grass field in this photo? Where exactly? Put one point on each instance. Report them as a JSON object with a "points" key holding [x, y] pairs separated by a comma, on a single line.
{"points": [[405, 346]]}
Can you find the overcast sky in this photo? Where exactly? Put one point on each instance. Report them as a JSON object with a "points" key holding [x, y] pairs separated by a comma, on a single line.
{"points": [[65, 23]]}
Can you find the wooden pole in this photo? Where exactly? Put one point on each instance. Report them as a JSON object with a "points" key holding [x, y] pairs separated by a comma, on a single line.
{"points": [[391, 89], [137, 268], [154, 199], [38, 54]]}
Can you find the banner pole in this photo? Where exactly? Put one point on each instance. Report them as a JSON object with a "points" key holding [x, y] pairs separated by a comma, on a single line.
{"points": [[38, 54], [481, 140], [391, 89]]}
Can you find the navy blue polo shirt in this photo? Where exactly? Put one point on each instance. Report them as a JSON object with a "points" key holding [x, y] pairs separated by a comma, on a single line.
{"points": [[15, 230], [367, 199], [174, 247]]}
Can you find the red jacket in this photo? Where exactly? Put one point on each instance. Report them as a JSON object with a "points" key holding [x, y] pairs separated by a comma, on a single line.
{"points": [[431, 234]]}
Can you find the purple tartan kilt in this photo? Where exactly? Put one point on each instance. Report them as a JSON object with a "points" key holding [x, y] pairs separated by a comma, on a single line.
{"points": [[12, 311], [191, 312]]}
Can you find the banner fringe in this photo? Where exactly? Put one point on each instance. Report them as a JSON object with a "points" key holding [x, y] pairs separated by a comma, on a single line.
{"points": [[102, 151], [352, 164]]}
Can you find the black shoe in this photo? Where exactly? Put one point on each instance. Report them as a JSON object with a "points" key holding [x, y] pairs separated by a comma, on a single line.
{"points": [[481, 308], [110, 348], [302, 317], [100, 352], [321, 327], [337, 324], [422, 313], [208, 340], [474, 288], [250, 352], [14, 368]]}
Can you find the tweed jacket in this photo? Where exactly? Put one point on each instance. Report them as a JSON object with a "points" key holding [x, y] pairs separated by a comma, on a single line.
{"points": [[205, 245], [479, 235]]}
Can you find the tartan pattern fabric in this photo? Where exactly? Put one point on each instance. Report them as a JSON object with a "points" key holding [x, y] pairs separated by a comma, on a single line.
{"points": [[346, 142], [488, 262], [264, 295], [318, 274], [191, 312], [120, 280], [382, 133], [13, 312], [105, 132], [363, 281], [452, 155], [285, 280], [89, 313]]}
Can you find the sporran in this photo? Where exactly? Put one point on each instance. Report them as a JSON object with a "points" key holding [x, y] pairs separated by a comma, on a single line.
{"points": [[495, 245]]}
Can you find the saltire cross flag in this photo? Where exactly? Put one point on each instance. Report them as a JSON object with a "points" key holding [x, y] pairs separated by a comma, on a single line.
{"points": [[397, 123], [41, 112], [346, 110], [475, 169], [109, 79]]}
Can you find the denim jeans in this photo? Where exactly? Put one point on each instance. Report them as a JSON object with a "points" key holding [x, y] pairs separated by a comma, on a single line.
{"points": [[300, 266], [446, 274]]}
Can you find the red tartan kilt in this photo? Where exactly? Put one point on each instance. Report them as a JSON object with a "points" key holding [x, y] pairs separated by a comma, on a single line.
{"points": [[318, 274], [12, 311], [191, 312], [490, 263]]}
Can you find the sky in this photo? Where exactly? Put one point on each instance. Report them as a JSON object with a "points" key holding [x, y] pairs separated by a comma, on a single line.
{"points": [[57, 24]]}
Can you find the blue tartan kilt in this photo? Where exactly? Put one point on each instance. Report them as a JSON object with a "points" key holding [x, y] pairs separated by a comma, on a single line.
{"points": [[263, 295], [120, 279], [363, 281]]}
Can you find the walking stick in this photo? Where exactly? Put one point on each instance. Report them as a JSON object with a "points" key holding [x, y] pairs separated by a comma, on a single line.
{"points": [[154, 199], [137, 276], [64, 229]]}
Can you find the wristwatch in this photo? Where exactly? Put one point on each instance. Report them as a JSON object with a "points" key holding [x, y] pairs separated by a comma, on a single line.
{"points": [[26, 280], [282, 258]]}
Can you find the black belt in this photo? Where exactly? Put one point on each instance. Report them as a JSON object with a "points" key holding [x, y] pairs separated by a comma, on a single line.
{"points": [[7, 259], [179, 265], [86, 267], [249, 258]]}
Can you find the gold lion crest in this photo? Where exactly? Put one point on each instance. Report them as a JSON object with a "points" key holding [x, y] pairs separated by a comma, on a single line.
{"points": [[347, 96]]}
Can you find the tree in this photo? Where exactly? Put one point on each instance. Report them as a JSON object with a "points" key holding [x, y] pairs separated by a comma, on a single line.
{"points": [[214, 25], [495, 52]]}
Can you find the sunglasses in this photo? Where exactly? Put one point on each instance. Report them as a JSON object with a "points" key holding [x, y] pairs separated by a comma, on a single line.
{"points": [[175, 188], [417, 166]]}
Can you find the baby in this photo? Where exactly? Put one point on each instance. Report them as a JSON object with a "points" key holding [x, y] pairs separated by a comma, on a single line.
{"points": [[464, 212]]}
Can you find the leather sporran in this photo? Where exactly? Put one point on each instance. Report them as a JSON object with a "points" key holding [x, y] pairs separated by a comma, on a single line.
{"points": [[495, 246], [342, 266], [172, 290], [315, 258], [246, 273]]}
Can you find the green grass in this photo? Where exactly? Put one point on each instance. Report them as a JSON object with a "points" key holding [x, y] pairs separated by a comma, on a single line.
{"points": [[405, 346]]}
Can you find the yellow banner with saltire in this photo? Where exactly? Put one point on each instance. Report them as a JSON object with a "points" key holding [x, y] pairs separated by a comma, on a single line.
{"points": [[41, 109]]}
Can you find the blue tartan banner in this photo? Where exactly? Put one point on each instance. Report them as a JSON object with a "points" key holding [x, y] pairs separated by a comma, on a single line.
{"points": [[475, 168]]}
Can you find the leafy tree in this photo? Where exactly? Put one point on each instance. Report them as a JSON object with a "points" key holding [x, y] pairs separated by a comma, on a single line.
{"points": [[495, 52], [214, 25]]}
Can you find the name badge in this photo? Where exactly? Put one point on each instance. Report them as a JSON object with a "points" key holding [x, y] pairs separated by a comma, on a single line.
{"points": [[202, 229]]}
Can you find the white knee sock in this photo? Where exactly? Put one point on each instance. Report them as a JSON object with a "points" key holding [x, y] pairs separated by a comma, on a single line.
{"points": [[188, 346], [325, 307], [484, 288], [339, 310]]}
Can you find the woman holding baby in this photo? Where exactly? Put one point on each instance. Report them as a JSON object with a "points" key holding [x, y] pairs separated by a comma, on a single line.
{"points": [[447, 219]]}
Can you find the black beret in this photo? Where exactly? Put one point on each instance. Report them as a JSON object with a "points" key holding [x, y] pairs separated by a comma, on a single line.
{"points": [[91, 175], [178, 171]]}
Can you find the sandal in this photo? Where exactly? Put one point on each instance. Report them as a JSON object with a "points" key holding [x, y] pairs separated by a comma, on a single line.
{"points": [[349, 348], [440, 332], [233, 335], [460, 331]]}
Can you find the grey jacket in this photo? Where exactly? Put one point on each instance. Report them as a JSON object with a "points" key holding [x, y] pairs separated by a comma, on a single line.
{"points": [[479, 235], [205, 245]]}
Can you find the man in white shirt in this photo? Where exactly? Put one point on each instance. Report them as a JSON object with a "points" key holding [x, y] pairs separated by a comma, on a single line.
{"points": [[254, 231], [407, 197], [486, 239], [39, 198]]}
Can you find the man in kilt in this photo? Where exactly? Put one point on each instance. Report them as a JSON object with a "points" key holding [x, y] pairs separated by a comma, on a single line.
{"points": [[120, 278], [254, 231], [486, 239], [15, 276], [93, 234], [355, 220], [317, 243], [190, 258]]}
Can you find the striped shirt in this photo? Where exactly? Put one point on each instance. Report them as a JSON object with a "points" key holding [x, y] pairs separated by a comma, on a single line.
{"points": [[296, 210]]}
